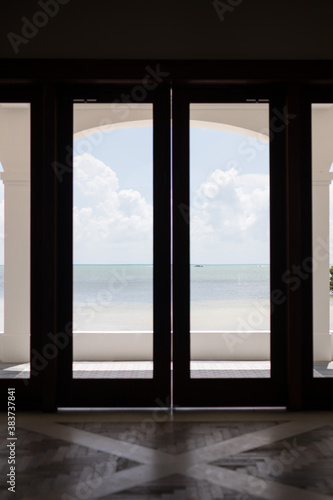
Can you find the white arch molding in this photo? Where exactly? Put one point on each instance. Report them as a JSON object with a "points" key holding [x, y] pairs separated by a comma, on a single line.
{"points": [[260, 136]]}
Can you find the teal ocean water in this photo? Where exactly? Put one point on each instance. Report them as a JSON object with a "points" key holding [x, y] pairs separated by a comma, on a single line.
{"points": [[134, 283], [223, 297], [119, 297]]}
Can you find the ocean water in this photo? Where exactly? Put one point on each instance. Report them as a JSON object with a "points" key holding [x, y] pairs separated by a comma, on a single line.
{"points": [[112, 297], [119, 297], [229, 282], [134, 283], [230, 297]]}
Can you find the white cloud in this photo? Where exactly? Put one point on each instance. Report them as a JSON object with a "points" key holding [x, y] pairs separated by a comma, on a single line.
{"points": [[230, 214], [110, 224], [233, 216], [93, 177], [235, 205]]}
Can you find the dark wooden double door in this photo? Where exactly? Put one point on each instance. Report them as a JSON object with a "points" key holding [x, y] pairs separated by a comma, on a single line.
{"points": [[172, 382]]}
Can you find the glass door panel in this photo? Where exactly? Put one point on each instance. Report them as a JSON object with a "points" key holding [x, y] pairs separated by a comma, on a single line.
{"points": [[114, 258], [113, 241], [229, 240], [229, 248]]}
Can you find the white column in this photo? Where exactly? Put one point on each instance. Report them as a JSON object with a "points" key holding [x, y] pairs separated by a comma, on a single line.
{"points": [[15, 159], [16, 266], [321, 264]]}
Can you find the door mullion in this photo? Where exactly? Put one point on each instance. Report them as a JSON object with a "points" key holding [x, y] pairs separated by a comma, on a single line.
{"points": [[162, 247], [278, 241], [49, 325], [64, 191], [181, 242]]}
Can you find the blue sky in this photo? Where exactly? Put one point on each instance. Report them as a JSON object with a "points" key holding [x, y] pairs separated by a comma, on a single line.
{"points": [[113, 198]]}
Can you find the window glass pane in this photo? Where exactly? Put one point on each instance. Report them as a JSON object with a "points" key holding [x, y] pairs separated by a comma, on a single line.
{"points": [[229, 240], [113, 240]]}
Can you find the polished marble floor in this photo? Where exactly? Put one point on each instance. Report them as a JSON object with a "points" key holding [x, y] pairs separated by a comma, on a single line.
{"points": [[164, 455]]}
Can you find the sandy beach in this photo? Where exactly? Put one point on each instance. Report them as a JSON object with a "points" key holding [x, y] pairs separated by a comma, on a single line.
{"points": [[205, 315]]}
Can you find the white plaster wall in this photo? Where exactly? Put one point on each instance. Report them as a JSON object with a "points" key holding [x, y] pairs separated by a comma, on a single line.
{"points": [[322, 158], [15, 159], [245, 118]]}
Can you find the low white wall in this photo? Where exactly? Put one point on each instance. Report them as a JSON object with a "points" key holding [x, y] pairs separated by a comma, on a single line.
{"points": [[138, 346], [214, 346], [14, 348], [322, 347], [113, 346]]}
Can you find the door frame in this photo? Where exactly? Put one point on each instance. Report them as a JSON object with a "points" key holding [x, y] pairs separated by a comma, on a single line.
{"points": [[315, 391], [28, 391], [228, 392], [100, 392], [44, 80]]}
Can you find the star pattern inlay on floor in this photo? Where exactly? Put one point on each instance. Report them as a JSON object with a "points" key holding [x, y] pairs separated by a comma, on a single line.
{"points": [[190, 455]]}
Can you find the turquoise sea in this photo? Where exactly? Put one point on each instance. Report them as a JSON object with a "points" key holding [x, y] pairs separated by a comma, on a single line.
{"points": [[119, 297], [134, 283], [223, 297]]}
